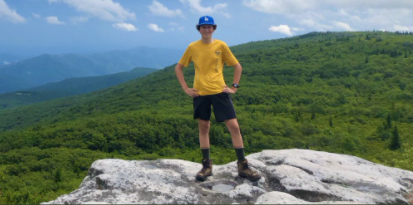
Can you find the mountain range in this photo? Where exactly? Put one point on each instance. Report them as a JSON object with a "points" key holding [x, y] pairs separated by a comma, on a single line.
{"points": [[52, 68], [7, 58], [68, 87]]}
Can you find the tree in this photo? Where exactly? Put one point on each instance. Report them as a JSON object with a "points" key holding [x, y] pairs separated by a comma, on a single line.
{"points": [[395, 140], [331, 122], [388, 121], [58, 175], [312, 115]]}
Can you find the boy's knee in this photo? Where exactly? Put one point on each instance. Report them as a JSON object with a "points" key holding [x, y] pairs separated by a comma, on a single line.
{"points": [[204, 125]]}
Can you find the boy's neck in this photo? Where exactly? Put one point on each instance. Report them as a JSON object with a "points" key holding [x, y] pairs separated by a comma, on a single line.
{"points": [[208, 40]]}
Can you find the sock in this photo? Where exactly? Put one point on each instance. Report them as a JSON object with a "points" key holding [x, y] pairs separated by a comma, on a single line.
{"points": [[240, 153], [205, 153]]}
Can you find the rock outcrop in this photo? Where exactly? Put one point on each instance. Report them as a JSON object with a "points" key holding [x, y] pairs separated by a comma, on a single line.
{"points": [[289, 177]]}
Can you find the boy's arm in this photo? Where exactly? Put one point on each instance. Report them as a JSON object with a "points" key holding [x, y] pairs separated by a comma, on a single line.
{"points": [[180, 75], [237, 73], [237, 78]]}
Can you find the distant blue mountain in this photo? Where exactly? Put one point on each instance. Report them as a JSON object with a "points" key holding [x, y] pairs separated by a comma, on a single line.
{"points": [[68, 87], [52, 68], [7, 58]]}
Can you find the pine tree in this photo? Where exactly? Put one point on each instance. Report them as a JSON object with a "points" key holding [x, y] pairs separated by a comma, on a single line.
{"points": [[331, 122], [388, 121], [395, 139], [58, 175], [298, 116]]}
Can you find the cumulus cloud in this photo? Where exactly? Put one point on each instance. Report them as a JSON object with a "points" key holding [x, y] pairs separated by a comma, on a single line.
{"points": [[371, 4], [155, 27], [79, 19], [403, 28], [347, 15], [280, 6], [159, 9], [342, 25], [103, 9], [125, 26], [284, 29], [10, 14], [196, 7], [36, 15], [54, 20], [176, 26]]}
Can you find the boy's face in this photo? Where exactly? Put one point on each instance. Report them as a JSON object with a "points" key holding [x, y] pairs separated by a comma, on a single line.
{"points": [[206, 31]]}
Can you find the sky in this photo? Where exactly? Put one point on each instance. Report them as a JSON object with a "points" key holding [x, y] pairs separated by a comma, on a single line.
{"points": [[34, 27]]}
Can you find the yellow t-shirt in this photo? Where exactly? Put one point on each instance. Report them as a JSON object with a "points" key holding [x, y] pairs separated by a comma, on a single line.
{"points": [[209, 59]]}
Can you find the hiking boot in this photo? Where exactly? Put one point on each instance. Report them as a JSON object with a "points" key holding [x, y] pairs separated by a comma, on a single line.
{"points": [[245, 172], [206, 170]]}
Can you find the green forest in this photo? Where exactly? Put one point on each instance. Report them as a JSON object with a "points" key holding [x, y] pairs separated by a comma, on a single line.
{"points": [[341, 92]]}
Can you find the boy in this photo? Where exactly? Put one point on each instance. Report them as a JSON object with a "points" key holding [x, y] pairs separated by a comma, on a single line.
{"points": [[209, 56]]}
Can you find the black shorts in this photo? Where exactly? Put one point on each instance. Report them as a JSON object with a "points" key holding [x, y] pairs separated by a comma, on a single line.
{"points": [[221, 103]]}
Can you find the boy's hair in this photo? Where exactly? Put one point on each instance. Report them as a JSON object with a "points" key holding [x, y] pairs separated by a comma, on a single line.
{"points": [[198, 27]]}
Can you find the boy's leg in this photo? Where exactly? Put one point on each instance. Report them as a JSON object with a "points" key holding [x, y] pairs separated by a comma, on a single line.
{"points": [[236, 137], [206, 170], [204, 126], [233, 127], [242, 163]]}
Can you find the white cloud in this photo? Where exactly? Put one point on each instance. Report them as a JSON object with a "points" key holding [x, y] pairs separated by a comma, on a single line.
{"points": [[297, 29], [6, 63], [280, 6], [155, 27], [284, 29], [36, 15], [103, 9], [54, 20], [371, 4], [161, 10], [176, 26], [196, 7], [10, 14], [333, 15], [79, 19], [342, 25], [125, 26], [403, 28]]}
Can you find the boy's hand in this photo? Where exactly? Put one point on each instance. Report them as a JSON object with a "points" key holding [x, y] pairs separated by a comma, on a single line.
{"points": [[229, 90], [192, 92]]}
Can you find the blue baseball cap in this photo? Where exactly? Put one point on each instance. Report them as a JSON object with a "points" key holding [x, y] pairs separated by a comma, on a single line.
{"points": [[206, 20]]}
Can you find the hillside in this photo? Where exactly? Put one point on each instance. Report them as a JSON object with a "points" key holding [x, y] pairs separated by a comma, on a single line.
{"points": [[68, 87], [345, 93], [52, 68]]}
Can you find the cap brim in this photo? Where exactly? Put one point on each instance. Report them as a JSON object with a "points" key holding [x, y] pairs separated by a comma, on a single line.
{"points": [[206, 24]]}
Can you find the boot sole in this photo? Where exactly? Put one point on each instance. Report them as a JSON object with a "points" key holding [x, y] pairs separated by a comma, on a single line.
{"points": [[199, 178], [253, 179]]}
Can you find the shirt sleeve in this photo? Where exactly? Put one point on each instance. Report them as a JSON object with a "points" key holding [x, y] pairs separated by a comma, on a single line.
{"points": [[186, 58], [229, 58]]}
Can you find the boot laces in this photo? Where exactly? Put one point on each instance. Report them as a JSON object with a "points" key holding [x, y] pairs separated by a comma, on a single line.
{"points": [[203, 170]]}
